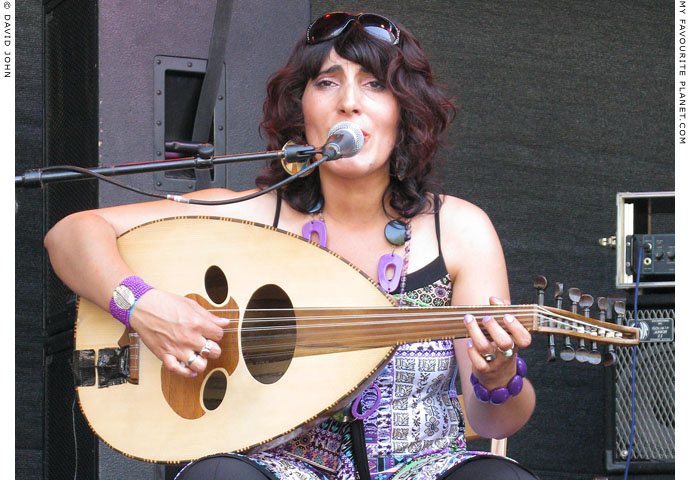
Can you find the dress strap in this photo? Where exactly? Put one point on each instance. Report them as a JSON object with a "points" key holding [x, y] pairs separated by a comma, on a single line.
{"points": [[276, 216], [437, 220], [359, 450]]}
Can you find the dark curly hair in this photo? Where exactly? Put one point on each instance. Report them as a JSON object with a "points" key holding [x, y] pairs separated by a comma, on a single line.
{"points": [[406, 72]]}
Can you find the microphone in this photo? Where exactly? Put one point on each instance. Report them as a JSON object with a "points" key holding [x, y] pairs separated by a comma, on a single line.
{"points": [[345, 139]]}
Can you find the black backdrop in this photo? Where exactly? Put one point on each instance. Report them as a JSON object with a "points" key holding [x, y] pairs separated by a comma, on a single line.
{"points": [[561, 105]]}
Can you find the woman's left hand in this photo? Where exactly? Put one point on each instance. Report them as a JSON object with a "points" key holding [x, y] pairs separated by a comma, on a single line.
{"points": [[493, 355]]}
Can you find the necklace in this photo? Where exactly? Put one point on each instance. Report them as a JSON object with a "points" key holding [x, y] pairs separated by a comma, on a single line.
{"points": [[396, 232]]}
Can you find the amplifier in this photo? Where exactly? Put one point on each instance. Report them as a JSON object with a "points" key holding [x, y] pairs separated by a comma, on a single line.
{"points": [[658, 255], [647, 220], [653, 448]]}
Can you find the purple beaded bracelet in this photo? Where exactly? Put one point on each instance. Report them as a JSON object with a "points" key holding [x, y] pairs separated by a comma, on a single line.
{"points": [[125, 297], [499, 395]]}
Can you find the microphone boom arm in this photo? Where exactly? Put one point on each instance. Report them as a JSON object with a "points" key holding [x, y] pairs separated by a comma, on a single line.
{"points": [[40, 177]]}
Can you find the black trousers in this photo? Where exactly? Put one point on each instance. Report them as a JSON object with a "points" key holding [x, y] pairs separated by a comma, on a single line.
{"points": [[234, 467]]}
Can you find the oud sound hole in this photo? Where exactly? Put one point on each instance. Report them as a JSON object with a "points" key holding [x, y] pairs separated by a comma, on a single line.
{"points": [[268, 334], [216, 284], [214, 390]]}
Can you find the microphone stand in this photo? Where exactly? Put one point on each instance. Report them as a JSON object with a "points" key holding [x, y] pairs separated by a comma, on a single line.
{"points": [[204, 160]]}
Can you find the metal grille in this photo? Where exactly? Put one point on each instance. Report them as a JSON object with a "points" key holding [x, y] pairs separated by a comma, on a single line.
{"points": [[655, 396]]}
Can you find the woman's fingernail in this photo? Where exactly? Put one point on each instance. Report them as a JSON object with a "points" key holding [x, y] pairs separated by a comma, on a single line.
{"points": [[468, 318], [495, 299], [469, 343], [486, 319], [509, 318], [193, 374]]}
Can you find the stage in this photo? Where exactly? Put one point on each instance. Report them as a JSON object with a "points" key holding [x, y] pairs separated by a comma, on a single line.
{"points": [[561, 106]]}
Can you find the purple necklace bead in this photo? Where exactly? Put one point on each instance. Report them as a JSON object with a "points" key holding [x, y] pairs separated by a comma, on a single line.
{"points": [[408, 236], [396, 232], [372, 409], [386, 261], [319, 228]]}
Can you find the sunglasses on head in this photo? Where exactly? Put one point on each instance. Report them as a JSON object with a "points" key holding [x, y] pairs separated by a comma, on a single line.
{"points": [[333, 24]]}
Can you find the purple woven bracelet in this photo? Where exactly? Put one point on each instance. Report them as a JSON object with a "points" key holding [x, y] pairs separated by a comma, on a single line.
{"points": [[125, 297], [499, 395]]}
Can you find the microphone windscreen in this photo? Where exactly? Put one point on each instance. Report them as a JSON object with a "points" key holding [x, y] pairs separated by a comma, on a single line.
{"points": [[349, 138]]}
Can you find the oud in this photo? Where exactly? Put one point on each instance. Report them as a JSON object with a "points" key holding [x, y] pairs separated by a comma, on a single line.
{"points": [[308, 332]]}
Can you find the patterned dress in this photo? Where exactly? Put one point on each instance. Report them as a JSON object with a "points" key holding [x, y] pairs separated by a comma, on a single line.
{"points": [[413, 425]]}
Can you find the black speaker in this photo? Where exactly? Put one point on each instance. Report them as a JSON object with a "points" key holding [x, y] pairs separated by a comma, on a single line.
{"points": [[70, 450], [152, 59], [120, 80], [71, 127], [28, 256], [653, 447]]}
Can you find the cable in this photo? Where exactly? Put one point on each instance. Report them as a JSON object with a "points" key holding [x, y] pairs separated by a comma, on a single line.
{"points": [[181, 199], [632, 420], [74, 432]]}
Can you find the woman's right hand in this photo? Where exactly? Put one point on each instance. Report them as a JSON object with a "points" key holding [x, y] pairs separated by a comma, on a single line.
{"points": [[175, 328]]}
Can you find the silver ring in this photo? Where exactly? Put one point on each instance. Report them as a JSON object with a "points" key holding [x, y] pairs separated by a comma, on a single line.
{"points": [[507, 352], [206, 348], [191, 359], [489, 357]]}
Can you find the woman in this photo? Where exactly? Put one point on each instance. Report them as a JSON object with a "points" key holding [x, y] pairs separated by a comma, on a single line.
{"points": [[366, 70]]}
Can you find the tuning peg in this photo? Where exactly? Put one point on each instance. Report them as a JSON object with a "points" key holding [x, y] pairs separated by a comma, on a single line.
{"points": [[582, 354], [619, 308], [595, 355], [558, 295], [586, 302], [611, 357], [567, 352], [602, 305], [540, 283]]}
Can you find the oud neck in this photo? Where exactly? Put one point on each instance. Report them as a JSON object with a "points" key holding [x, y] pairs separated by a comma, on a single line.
{"points": [[324, 331]]}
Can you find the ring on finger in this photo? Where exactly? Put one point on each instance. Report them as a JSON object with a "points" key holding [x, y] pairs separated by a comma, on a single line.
{"points": [[489, 357], [206, 348], [191, 359], [508, 352]]}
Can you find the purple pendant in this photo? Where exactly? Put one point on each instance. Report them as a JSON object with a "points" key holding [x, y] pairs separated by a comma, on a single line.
{"points": [[317, 227], [386, 261]]}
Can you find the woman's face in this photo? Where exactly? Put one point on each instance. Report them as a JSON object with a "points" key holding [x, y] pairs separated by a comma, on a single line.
{"points": [[344, 91]]}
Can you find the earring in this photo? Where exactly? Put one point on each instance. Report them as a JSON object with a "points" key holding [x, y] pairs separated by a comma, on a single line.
{"points": [[295, 167], [400, 167]]}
